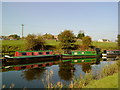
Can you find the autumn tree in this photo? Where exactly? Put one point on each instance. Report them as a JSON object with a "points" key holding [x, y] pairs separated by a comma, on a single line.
{"points": [[67, 40], [80, 35], [48, 36], [34, 42], [14, 36], [86, 42]]}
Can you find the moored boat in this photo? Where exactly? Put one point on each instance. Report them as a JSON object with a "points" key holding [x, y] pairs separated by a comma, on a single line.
{"points": [[110, 53], [82, 54], [28, 56]]}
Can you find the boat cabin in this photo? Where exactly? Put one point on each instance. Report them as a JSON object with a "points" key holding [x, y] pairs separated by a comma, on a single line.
{"points": [[33, 53], [112, 52], [84, 52]]}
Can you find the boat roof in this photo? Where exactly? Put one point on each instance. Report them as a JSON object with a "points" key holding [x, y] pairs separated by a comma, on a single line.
{"points": [[82, 50], [36, 51], [112, 50]]}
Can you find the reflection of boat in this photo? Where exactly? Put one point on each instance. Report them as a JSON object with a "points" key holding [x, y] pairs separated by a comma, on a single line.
{"points": [[26, 56], [27, 66], [86, 60], [82, 54], [82, 60], [110, 53]]}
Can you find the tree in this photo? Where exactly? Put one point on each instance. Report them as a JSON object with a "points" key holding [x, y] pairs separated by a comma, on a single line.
{"points": [[48, 36], [14, 36], [33, 73], [67, 40], [80, 35], [118, 41], [34, 42], [66, 71], [86, 42]]}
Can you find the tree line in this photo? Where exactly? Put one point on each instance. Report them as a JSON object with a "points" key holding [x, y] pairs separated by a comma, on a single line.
{"points": [[46, 36], [66, 38]]}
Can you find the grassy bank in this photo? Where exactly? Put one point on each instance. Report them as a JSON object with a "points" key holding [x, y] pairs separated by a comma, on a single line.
{"points": [[103, 45], [107, 82]]}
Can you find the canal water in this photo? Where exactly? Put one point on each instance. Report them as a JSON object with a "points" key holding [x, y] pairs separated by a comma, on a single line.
{"points": [[37, 75]]}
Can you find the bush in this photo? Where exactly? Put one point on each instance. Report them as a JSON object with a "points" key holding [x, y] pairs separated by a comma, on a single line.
{"points": [[34, 42]]}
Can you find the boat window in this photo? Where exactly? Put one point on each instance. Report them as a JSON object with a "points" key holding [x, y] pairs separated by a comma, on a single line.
{"points": [[32, 53], [23, 67], [40, 53], [118, 51], [47, 52], [82, 52], [23, 53], [75, 53]]}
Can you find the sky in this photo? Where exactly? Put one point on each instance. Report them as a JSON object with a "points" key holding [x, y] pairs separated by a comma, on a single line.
{"points": [[97, 19]]}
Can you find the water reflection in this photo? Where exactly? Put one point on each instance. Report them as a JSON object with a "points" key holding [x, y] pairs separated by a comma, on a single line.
{"points": [[66, 71], [33, 74], [86, 68]]}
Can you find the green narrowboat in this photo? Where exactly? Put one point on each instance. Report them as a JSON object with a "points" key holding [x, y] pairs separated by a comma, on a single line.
{"points": [[81, 54], [32, 56]]}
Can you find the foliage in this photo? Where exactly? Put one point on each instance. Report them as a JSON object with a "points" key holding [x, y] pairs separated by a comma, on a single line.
{"points": [[118, 41], [66, 71], [48, 36], [34, 42], [32, 74], [80, 35], [109, 69], [86, 42], [14, 36], [67, 40]]}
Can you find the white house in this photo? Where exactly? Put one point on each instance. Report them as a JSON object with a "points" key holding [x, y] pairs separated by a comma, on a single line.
{"points": [[103, 40]]}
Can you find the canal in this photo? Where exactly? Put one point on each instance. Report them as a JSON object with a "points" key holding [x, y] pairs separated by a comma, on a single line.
{"points": [[37, 75]]}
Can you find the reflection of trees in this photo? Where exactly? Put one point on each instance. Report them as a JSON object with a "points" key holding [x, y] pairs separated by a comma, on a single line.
{"points": [[34, 73], [66, 70], [86, 67]]}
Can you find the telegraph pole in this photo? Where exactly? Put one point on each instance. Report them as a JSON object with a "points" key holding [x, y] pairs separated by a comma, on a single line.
{"points": [[22, 30]]}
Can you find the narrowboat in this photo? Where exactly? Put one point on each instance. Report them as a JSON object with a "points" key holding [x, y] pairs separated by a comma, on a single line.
{"points": [[32, 56], [82, 54], [110, 53]]}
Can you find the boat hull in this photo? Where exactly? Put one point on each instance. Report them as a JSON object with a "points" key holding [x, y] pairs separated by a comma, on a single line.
{"points": [[26, 60], [112, 55], [78, 56]]}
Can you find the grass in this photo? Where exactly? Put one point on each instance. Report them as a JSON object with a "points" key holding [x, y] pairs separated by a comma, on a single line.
{"points": [[103, 45], [52, 42], [106, 45], [107, 82], [13, 42]]}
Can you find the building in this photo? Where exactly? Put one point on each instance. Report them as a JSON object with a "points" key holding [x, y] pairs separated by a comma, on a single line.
{"points": [[103, 40]]}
